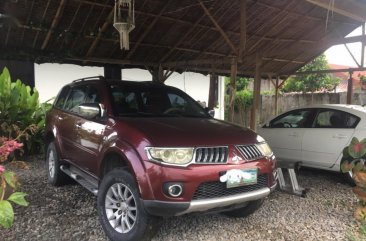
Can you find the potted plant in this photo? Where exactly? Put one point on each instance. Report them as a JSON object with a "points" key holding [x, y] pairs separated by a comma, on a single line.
{"points": [[353, 161]]}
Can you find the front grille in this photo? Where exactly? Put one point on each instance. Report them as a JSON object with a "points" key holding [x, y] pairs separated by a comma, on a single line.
{"points": [[215, 155], [218, 189], [250, 152]]}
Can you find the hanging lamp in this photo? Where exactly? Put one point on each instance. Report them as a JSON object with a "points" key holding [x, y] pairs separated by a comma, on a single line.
{"points": [[124, 20]]}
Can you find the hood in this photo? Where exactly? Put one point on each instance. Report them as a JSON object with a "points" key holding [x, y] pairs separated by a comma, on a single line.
{"points": [[182, 131]]}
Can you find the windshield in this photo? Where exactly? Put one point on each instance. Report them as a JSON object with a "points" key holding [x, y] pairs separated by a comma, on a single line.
{"points": [[149, 100]]}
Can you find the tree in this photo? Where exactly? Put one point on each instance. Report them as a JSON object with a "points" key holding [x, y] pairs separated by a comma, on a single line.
{"points": [[312, 82]]}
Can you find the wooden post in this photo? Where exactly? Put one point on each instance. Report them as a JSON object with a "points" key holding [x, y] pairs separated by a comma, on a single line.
{"points": [[276, 94], [157, 74], [212, 95], [256, 93], [234, 70], [350, 88], [112, 71], [363, 46]]}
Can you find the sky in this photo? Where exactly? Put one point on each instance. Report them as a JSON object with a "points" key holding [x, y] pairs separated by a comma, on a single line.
{"points": [[339, 55]]}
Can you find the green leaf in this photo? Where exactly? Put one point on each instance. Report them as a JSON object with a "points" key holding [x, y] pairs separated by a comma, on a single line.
{"points": [[359, 166], [10, 178], [6, 214], [346, 166], [18, 198], [357, 149]]}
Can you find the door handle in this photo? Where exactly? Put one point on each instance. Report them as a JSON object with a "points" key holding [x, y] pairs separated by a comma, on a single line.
{"points": [[293, 134]]}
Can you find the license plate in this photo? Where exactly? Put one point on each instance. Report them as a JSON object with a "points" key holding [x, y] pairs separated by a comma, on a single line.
{"points": [[237, 177]]}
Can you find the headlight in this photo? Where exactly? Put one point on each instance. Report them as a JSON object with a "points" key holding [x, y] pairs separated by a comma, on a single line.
{"points": [[265, 149], [175, 156]]}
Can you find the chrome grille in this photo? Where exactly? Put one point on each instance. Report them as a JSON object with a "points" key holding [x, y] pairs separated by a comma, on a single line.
{"points": [[250, 152], [215, 155], [218, 189]]}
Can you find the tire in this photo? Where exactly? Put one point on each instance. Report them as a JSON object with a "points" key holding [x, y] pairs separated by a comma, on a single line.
{"points": [[250, 208], [56, 177], [132, 222]]}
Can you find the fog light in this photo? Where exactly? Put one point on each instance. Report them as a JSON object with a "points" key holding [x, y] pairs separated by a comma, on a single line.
{"points": [[173, 189]]}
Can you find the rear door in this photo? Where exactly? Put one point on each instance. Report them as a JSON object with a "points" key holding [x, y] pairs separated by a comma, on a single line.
{"points": [[324, 142], [285, 133]]}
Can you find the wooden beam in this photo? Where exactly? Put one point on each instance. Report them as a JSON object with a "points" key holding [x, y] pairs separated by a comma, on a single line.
{"points": [[295, 14], [243, 28], [222, 32], [326, 71], [274, 24], [147, 30], [352, 9], [54, 23], [276, 95], [42, 19], [106, 24]]}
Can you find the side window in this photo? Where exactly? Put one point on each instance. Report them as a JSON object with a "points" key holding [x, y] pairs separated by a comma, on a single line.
{"points": [[124, 101], [93, 95], [61, 98], [177, 101], [77, 96], [335, 119], [294, 119]]}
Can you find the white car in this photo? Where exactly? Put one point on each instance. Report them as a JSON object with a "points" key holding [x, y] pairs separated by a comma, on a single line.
{"points": [[315, 135]]}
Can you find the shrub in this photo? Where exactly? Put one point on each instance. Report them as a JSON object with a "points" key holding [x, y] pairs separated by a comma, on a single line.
{"points": [[9, 184], [20, 108]]}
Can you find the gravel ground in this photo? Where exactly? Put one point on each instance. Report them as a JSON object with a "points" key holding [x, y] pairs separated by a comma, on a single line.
{"points": [[69, 213]]}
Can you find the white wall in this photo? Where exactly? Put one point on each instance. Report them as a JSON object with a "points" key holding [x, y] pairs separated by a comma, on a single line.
{"points": [[50, 78]]}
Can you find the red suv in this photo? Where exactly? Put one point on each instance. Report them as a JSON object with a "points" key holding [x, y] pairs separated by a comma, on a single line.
{"points": [[148, 150]]}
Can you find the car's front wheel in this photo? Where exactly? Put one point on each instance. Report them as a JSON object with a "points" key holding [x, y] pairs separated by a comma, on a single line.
{"points": [[250, 208], [121, 213], [56, 177]]}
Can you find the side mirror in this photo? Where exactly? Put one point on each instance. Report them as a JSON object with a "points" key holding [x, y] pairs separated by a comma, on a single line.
{"points": [[91, 110], [210, 112]]}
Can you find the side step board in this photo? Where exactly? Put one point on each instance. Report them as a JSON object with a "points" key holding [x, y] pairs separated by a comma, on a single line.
{"points": [[85, 180]]}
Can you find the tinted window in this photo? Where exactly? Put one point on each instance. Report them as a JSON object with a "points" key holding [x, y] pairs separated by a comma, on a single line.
{"points": [[335, 119], [93, 95], [77, 96], [153, 101], [294, 119], [62, 97]]}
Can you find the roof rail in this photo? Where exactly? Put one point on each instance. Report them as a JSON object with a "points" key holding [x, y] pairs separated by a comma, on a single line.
{"points": [[89, 78]]}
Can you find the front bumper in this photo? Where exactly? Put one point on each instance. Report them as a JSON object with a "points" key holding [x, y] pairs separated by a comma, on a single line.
{"points": [[163, 208]]}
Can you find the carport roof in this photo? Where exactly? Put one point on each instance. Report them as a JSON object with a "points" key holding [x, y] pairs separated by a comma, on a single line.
{"points": [[192, 35]]}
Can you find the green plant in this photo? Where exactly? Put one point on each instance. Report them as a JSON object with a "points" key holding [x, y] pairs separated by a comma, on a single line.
{"points": [[19, 108], [362, 78], [354, 160], [312, 82], [8, 184]]}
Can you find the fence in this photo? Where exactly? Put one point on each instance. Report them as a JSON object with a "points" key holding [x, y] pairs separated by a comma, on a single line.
{"points": [[290, 101]]}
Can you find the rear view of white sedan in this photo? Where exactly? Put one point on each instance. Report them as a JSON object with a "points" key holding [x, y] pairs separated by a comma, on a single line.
{"points": [[315, 135]]}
